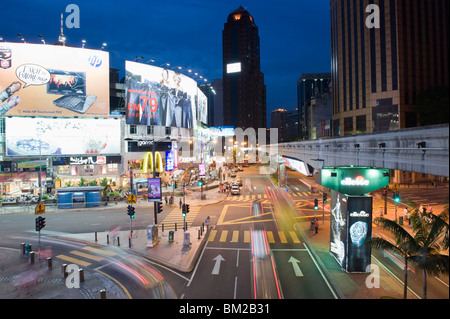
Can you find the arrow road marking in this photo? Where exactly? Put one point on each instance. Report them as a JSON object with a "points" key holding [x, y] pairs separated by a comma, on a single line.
{"points": [[298, 272], [216, 268]]}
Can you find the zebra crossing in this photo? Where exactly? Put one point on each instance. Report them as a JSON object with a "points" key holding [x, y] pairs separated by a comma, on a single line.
{"points": [[86, 255], [175, 217], [237, 236], [252, 197]]}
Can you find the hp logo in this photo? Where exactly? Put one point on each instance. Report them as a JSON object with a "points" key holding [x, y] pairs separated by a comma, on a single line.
{"points": [[95, 61]]}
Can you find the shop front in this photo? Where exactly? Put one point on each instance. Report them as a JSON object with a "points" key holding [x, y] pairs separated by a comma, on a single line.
{"points": [[19, 183]]}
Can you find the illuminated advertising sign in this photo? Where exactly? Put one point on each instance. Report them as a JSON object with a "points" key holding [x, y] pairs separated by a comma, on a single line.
{"points": [[25, 136], [201, 170], [48, 80], [350, 227], [202, 108], [154, 189], [170, 161], [299, 166], [354, 180], [234, 67], [161, 97]]}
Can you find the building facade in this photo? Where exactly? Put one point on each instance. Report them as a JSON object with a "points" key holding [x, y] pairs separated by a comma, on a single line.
{"points": [[383, 57], [244, 91]]}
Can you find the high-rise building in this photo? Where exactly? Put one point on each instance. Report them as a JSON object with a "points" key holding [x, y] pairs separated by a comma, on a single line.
{"points": [[309, 86], [384, 54], [244, 92], [278, 120]]}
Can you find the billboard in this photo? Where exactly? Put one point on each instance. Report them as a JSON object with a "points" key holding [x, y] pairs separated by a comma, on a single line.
{"points": [[350, 227], [299, 166], [26, 136], [154, 189], [161, 97], [48, 80]]}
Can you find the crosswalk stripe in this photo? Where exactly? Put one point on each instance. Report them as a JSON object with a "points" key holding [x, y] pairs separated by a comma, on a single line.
{"points": [[270, 237], [99, 251], [212, 235], [294, 237], [246, 236], [73, 260], [88, 256], [223, 236], [235, 237], [282, 237]]}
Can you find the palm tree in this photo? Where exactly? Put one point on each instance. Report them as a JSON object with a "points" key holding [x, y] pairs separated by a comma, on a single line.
{"points": [[422, 247], [402, 241]]}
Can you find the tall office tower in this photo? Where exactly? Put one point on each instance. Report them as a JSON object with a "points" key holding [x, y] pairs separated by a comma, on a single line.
{"points": [[244, 92], [278, 120], [309, 86], [385, 53]]}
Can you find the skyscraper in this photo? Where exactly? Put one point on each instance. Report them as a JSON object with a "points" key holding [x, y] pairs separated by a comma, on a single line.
{"points": [[244, 92], [385, 53]]}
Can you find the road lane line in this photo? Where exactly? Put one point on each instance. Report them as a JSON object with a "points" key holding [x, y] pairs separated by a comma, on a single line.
{"points": [[246, 236], [270, 237], [235, 237], [117, 282], [282, 237], [73, 260], [223, 236], [99, 251], [88, 256], [212, 235], [294, 237]]}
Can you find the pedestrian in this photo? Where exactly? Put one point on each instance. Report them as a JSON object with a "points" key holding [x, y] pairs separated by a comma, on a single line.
{"points": [[311, 227], [380, 211], [405, 213], [316, 225], [207, 223], [165, 198], [181, 203]]}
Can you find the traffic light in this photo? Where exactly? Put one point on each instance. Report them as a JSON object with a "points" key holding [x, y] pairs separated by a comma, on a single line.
{"points": [[187, 208], [325, 197], [396, 197], [200, 182], [316, 204], [159, 207], [183, 210], [40, 223], [131, 212]]}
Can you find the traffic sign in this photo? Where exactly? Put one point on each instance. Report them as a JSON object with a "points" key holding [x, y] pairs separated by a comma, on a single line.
{"points": [[395, 187], [40, 209], [131, 199]]}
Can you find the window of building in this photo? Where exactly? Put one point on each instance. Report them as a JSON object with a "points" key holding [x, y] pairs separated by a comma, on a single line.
{"points": [[361, 124], [133, 129], [348, 126]]}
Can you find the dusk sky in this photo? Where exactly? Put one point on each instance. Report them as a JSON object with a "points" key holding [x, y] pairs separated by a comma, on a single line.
{"points": [[294, 34]]}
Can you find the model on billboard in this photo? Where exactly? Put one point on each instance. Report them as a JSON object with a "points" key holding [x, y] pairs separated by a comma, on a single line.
{"points": [[337, 228], [7, 95]]}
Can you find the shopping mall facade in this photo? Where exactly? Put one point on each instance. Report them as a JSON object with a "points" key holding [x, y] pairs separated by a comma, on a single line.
{"points": [[149, 125]]}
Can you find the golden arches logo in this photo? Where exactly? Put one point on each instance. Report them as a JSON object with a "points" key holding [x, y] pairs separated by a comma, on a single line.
{"points": [[158, 162]]}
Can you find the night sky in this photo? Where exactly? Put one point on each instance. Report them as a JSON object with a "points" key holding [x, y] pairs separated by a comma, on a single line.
{"points": [[294, 34]]}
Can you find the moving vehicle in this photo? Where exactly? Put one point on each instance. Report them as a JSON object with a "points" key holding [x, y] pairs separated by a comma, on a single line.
{"points": [[235, 190]]}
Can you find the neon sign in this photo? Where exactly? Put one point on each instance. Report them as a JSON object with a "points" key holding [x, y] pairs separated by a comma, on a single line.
{"points": [[358, 181]]}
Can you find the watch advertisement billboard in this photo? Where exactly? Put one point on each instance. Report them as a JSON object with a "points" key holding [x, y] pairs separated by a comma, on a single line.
{"points": [[161, 97], [26, 136], [350, 227], [49, 80]]}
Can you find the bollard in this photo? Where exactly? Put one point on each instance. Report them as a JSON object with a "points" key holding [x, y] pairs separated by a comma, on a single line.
{"points": [[63, 270], [49, 263], [103, 294], [22, 246], [107, 239], [81, 274], [118, 241], [175, 226], [95, 236], [199, 234], [32, 257], [129, 242], [162, 228]]}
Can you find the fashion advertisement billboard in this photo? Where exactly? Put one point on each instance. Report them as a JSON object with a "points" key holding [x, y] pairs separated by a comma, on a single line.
{"points": [[350, 228], [154, 189], [158, 96], [26, 136], [49, 80]]}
